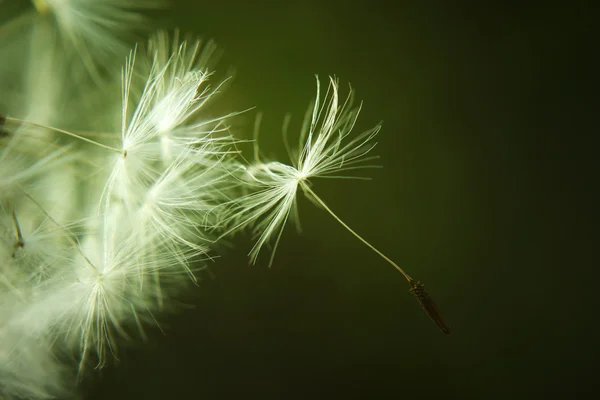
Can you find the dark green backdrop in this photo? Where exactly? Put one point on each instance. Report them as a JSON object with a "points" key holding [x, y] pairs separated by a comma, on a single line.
{"points": [[487, 140]]}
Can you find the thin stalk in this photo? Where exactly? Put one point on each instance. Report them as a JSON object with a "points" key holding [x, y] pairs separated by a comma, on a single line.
{"points": [[416, 288], [338, 219], [61, 131]]}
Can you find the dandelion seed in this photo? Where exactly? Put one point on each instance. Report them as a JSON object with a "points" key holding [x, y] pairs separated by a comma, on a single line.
{"points": [[37, 243], [163, 124], [170, 211], [325, 153], [326, 150]]}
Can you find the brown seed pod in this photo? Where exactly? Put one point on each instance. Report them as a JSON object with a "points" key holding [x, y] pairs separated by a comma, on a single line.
{"points": [[428, 305]]}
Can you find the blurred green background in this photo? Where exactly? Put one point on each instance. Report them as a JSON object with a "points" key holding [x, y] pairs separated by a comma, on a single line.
{"points": [[487, 140]]}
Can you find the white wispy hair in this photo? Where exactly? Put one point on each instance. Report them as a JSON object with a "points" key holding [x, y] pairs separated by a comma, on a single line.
{"points": [[96, 29], [183, 90], [165, 122], [96, 294], [28, 367], [172, 215], [97, 227], [325, 153], [152, 214], [31, 247]]}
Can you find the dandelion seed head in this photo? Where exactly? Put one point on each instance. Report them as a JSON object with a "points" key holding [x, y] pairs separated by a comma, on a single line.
{"points": [[144, 192]]}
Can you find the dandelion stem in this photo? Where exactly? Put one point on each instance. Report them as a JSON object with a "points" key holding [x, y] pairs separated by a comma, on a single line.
{"points": [[386, 258], [19, 121]]}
